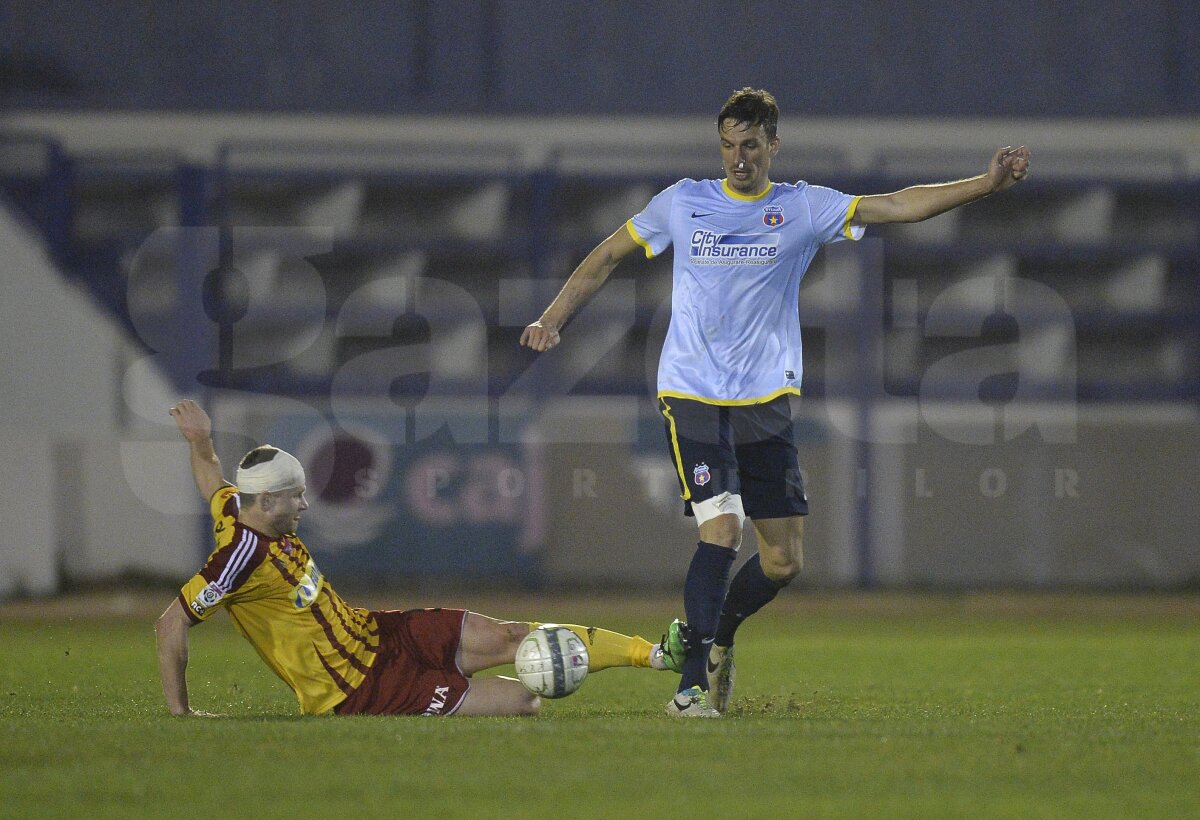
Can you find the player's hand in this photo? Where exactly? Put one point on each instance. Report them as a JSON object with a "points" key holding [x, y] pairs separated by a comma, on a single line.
{"points": [[194, 713], [1008, 167], [539, 337], [201, 714], [192, 421]]}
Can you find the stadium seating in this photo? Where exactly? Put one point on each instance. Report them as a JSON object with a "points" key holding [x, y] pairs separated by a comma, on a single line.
{"points": [[1070, 262]]}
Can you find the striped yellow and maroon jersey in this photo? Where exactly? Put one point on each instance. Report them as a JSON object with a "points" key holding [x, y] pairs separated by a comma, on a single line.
{"points": [[317, 643]]}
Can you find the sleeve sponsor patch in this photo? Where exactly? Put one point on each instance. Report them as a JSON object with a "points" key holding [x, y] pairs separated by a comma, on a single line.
{"points": [[207, 598]]}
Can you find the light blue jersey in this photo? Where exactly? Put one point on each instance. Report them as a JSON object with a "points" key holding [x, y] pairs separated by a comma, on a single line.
{"points": [[735, 326]]}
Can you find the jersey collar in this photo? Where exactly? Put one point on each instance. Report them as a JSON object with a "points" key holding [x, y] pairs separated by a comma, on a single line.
{"points": [[732, 194]]}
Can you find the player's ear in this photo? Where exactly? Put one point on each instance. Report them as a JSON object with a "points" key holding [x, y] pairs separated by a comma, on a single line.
{"points": [[266, 501], [774, 147]]}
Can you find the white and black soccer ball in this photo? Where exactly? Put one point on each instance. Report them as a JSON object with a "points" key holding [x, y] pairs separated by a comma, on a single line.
{"points": [[552, 661]]}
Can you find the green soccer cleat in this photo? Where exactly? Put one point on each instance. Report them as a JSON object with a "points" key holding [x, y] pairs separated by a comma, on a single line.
{"points": [[674, 646], [691, 703], [721, 674]]}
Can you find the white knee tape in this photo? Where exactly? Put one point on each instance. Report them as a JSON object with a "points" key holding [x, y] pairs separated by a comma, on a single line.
{"points": [[723, 504]]}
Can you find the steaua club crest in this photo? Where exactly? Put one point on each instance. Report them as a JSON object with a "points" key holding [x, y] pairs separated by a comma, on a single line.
{"points": [[701, 475], [773, 216]]}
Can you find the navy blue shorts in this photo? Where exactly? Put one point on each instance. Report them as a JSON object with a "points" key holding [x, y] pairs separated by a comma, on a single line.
{"points": [[747, 450]]}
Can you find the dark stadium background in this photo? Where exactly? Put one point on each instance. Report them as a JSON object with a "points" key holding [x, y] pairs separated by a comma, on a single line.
{"points": [[329, 224]]}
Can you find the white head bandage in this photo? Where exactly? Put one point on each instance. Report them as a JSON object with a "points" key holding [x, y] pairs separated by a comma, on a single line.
{"points": [[283, 472]]}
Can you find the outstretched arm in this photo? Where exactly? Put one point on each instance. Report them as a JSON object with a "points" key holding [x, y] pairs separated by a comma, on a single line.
{"points": [[172, 641], [580, 287], [1008, 167], [196, 427]]}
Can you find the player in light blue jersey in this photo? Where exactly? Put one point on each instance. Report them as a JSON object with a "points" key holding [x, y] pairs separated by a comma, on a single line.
{"points": [[732, 356], [734, 337]]}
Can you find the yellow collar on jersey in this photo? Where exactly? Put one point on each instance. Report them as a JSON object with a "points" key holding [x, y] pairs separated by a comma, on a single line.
{"points": [[735, 195]]}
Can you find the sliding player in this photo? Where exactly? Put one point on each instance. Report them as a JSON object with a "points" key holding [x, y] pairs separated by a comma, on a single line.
{"points": [[335, 657]]}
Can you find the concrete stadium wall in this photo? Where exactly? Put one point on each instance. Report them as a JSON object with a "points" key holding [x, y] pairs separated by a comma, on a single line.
{"points": [[615, 515], [70, 509], [1113, 507], [1095, 497]]}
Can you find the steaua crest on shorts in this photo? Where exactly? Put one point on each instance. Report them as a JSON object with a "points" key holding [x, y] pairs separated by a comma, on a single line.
{"points": [[773, 216], [701, 475]]}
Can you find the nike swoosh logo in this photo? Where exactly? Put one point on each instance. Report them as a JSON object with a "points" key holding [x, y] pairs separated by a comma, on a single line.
{"points": [[697, 216], [685, 705]]}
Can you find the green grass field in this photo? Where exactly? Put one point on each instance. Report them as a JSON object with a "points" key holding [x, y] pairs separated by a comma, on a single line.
{"points": [[847, 706]]}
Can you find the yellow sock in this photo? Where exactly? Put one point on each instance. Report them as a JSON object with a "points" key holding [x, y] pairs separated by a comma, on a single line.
{"points": [[607, 648]]}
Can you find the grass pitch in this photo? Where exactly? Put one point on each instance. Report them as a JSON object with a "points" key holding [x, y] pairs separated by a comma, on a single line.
{"points": [[846, 706]]}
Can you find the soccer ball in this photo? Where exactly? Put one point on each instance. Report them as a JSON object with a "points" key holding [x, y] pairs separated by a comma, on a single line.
{"points": [[552, 661]]}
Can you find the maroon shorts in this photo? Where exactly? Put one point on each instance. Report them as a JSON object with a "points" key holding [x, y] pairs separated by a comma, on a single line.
{"points": [[415, 672]]}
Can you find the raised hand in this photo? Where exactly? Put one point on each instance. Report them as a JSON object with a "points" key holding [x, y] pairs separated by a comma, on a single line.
{"points": [[1008, 167], [192, 421]]}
